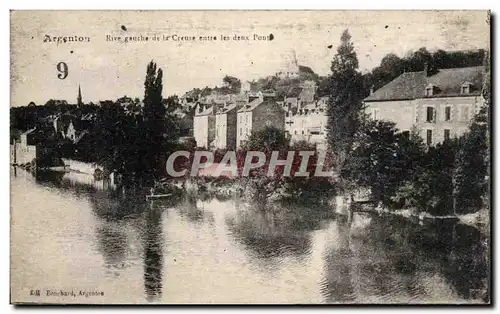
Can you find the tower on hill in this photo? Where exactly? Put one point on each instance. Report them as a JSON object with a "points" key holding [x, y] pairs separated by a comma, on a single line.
{"points": [[289, 65]]}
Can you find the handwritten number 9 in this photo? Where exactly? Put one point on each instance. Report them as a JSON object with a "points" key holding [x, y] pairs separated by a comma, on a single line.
{"points": [[62, 67]]}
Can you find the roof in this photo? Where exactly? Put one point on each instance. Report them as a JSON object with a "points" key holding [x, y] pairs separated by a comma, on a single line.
{"points": [[80, 125], [29, 131], [241, 97], [310, 106], [205, 112], [252, 105], [227, 109], [307, 94], [412, 85]]}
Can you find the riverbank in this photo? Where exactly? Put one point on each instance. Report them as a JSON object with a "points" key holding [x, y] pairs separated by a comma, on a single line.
{"points": [[207, 187], [479, 220]]}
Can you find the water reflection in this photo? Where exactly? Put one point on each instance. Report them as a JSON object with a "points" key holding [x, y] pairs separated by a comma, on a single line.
{"points": [[153, 255], [394, 260], [269, 233], [189, 209], [337, 285], [288, 254], [467, 268]]}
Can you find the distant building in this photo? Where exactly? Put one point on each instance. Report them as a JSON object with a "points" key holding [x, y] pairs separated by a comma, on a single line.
{"points": [[79, 100], [246, 87], [204, 126], [60, 124], [256, 115], [33, 147], [308, 123], [290, 68], [308, 92], [439, 104], [77, 129], [225, 127]]}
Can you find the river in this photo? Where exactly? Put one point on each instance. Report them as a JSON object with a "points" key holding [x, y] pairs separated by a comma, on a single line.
{"points": [[73, 237]]}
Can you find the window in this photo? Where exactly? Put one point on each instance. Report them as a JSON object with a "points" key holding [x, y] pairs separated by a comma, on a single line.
{"points": [[241, 133], [375, 114], [465, 89], [465, 113], [429, 137], [295, 132], [286, 114], [447, 113], [428, 91], [302, 132], [446, 134], [430, 114]]}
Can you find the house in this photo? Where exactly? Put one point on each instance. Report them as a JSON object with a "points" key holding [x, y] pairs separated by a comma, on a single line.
{"points": [[308, 92], [204, 126], [225, 127], [60, 124], [25, 150], [307, 123], [256, 115], [439, 104], [77, 129], [34, 145]]}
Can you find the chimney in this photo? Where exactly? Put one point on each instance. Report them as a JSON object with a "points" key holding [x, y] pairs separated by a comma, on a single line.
{"points": [[426, 69]]}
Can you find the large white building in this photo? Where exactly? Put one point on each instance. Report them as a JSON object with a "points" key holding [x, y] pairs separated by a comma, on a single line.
{"points": [[225, 127], [204, 126], [256, 115], [308, 123], [439, 104]]}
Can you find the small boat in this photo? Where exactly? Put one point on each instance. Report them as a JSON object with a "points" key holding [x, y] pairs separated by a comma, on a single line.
{"points": [[157, 196]]}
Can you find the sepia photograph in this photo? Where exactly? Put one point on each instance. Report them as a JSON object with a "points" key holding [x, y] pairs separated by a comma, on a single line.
{"points": [[250, 157]]}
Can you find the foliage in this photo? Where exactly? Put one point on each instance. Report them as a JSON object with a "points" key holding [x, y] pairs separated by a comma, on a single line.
{"points": [[391, 66], [378, 160], [400, 170], [267, 139], [159, 129], [345, 101], [470, 180], [233, 83]]}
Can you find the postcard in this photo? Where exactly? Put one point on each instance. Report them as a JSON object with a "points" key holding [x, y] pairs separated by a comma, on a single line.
{"points": [[250, 157]]}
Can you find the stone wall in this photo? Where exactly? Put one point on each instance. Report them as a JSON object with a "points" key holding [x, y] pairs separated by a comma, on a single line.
{"points": [[80, 166], [22, 154]]}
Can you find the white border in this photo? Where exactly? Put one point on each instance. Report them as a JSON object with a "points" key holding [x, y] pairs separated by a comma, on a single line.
{"points": [[189, 4]]}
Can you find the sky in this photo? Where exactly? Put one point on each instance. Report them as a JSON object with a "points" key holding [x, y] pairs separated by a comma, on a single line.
{"points": [[112, 69]]}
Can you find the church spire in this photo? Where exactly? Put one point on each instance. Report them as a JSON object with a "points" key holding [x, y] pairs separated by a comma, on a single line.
{"points": [[79, 98]]}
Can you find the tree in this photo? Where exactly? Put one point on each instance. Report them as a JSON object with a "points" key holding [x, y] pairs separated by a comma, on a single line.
{"points": [[233, 83], [345, 102], [156, 128], [378, 161], [267, 140], [470, 183]]}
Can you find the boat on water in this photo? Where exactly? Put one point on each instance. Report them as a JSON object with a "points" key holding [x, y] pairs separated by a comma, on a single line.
{"points": [[161, 190], [157, 196]]}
